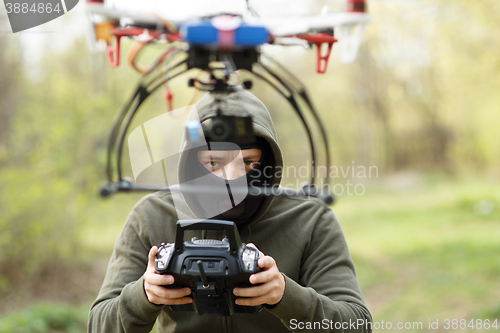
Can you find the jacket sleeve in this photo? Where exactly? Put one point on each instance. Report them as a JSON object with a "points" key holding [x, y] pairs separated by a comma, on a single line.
{"points": [[122, 304], [327, 294]]}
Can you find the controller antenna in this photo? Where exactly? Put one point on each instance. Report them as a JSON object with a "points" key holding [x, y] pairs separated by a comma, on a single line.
{"points": [[204, 279]]}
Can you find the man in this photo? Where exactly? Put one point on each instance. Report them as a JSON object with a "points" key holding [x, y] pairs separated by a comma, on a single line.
{"points": [[307, 280]]}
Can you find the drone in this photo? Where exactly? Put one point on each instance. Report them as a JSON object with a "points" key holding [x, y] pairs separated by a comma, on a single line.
{"points": [[220, 44]]}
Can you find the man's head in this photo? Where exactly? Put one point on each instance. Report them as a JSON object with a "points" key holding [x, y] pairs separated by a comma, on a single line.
{"points": [[224, 166]]}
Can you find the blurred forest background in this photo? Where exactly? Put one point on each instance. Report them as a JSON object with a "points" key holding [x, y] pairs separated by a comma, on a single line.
{"points": [[421, 103]]}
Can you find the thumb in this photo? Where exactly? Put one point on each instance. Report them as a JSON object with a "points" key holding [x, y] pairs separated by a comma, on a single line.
{"points": [[151, 258], [261, 254]]}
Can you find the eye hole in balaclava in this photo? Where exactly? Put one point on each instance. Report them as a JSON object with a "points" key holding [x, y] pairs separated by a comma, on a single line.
{"points": [[230, 164], [250, 172]]}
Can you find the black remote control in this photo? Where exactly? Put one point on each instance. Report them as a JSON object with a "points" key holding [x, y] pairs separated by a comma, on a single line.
{"points": [[211, 268]]}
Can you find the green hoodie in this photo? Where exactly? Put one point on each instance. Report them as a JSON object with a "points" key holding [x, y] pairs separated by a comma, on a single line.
{"points": [[302, 235]]}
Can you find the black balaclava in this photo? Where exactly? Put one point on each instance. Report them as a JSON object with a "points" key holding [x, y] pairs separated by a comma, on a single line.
{"points": [[225, 206]]}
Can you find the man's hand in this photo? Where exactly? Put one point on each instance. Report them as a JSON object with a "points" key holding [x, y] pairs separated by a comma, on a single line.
{"points": [[270, 291], [153, 283]]}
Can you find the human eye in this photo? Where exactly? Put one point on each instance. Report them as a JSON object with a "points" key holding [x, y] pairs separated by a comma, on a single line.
{"points": [[212, 165], [251, 164]]}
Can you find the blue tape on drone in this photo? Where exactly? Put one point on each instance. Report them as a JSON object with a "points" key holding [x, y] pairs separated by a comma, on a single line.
{"points": [[203, 33]]}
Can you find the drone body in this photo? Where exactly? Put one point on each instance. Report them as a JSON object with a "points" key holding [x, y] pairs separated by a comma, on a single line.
{"points": [[231, 40], [225, 31]]}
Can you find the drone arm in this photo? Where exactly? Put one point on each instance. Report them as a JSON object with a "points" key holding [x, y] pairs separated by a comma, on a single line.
{"points": [[291, 99], [319, 39], [299, 88], [128, 121], [119, 129]]}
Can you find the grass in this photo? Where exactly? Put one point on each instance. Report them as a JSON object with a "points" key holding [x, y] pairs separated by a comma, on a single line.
{"points": [[428, 250], [45, 318], [105, 218]]}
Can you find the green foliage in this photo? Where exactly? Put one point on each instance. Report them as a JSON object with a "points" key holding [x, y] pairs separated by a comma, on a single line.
{"points": [[54, 161], [45, 318], [426, 251]]}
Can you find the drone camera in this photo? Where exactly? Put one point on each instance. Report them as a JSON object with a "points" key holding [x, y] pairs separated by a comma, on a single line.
{"points": [[235, 129], [222, 128]]}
